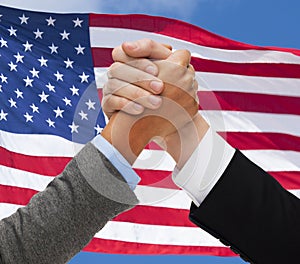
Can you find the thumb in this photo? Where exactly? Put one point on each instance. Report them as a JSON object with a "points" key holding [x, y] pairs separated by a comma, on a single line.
{"points": [[180, 57], [146, 48]]}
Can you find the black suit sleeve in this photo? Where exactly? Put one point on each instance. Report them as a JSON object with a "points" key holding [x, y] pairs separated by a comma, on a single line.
{"points": [[249, 210]]}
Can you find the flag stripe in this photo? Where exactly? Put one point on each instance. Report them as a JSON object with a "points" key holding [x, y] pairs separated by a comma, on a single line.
{"points": [[256, 141], [209, 81], [205, 65], [248, 102], [159, 216], [115, 36], [168, 235], [121, 247]]}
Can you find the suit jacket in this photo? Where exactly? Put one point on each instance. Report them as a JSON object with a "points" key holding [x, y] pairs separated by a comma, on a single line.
{"points": [[59, 221], [249, 211]]}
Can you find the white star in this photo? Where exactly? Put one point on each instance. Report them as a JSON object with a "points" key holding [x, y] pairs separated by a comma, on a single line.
{"points": [[69, 63], [58, 112], [83, 115], [27, 46], [84, 78], [50, 87], [74, 90], [19, 93], [12, 31], [59, 76], [1, 88], [34, 73], [74, 127], [0, 16], [90, 104], [3, 78], [43, 61], [80, 49], [12, 103], [64, 35], [77, 22], [51, 21], [38, 33], [67, 101], [28, 117], [23, 19], [53, 48], [3, 115], [50, 122], [28, 81], [3, 43], [34, 108], [19, 58], [13, 67], [98, 129], [43, 97]]}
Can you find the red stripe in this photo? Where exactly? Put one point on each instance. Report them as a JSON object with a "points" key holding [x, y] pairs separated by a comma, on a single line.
{"points": [[249, 102], [15, 195], [288, 179], [151, 215], [176, 29], [253, 140], [102, 58], [156, 178], [249, 69], [50, 166], [120, 247]]}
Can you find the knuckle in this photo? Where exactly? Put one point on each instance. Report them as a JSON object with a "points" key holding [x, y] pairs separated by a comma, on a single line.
{"points": [[117, 53]]}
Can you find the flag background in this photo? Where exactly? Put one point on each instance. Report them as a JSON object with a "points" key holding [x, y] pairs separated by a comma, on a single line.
{"points": [[273, 25]]}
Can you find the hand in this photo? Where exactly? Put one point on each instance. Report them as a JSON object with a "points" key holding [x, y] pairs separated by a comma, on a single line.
{"points": [[179, 105], [133, 83]]}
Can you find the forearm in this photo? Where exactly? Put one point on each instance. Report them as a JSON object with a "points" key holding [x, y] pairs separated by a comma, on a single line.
{"points": [[60, 221]]}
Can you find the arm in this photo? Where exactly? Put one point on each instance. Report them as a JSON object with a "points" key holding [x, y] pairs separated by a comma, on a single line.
{"points": [[234, 199], [59, 221]]}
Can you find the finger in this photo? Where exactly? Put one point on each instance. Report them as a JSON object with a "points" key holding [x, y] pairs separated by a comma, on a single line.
{"points": [[147, 48], [112, 103], [140, 78], [132, 92], [180, 57], [143, 64]]}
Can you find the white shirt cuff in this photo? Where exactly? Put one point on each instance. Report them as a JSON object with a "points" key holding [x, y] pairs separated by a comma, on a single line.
{"points": [[205, 167], [117, 160]]}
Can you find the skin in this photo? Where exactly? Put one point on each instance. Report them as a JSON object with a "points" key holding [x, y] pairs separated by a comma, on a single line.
{"points": [[144, 70]]}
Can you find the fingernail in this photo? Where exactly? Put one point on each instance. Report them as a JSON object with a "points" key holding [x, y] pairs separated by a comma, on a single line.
{"points": [[152, 70], [156, 86], [131, 45], [154, 100], [138, 107]]}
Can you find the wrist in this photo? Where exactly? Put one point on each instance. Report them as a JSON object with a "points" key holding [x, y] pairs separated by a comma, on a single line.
{"points": [[128, 134], [181, 144]]}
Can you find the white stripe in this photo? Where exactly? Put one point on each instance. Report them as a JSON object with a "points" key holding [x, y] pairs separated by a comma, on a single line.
{"points": [[154, 160], [162, 197], [209, 81], [156, 234], [111, 37], [269, 160], [38, 145], [8, 209], [275, 160], [248, 84], [23, 179], [237, 121]]}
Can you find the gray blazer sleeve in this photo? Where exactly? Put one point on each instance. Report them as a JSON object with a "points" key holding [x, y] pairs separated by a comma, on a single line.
{"points": [[59, 221]]}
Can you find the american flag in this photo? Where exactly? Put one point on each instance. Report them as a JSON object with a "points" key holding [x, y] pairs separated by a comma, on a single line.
{"points": [[52, 70]]}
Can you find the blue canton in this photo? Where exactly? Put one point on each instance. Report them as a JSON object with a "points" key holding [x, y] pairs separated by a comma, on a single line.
{"points": [[47, 82]]}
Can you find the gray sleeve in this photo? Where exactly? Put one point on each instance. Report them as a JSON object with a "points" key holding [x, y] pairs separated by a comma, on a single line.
{"points": [[59, 221]]}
